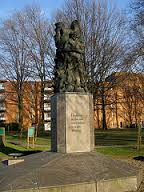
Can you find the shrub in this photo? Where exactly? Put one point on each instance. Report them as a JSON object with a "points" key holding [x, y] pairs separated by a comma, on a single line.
{"points": [[12, 126]]}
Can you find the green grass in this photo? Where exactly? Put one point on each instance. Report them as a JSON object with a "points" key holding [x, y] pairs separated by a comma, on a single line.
{"points": [[3, 156], [121, 151], [39, 140], [116, 137], [43, 141], [121, 142], [111, 138], [15, 144]]}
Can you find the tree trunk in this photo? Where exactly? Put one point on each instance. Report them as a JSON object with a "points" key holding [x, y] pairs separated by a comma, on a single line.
{"points": [[1, 142], [130, 118], [139, 137], [41, 121], [135, 112], [42, 91], [98, 120], [138, 126], [36, 109], [104, 124], [117, 113], [20, 111], [96, 110]]}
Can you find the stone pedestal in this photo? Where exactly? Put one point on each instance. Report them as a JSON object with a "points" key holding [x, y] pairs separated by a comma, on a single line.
{"points": [[72, 122]]}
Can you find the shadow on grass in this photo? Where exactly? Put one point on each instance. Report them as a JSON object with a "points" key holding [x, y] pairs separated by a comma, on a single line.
{"points": [[139, 158], [7, 150], [114, 141], [105, 139]]}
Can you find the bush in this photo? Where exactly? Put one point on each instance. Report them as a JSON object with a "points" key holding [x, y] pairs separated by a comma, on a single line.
{"points": [[2, 124], [12, 126]]}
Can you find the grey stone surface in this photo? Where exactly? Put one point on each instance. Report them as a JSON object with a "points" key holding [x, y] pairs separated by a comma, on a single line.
{"points": [[118, 185], [76, 172], [72, 122], [12, 161], [53, 124]]}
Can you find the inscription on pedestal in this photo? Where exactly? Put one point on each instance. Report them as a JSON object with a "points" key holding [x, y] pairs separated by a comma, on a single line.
{"points": [[77, 121]]}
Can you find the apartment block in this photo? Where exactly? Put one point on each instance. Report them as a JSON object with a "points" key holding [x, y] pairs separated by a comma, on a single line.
{"points": [[124, 101], [48, 92], [31, 103], [2, 101]]}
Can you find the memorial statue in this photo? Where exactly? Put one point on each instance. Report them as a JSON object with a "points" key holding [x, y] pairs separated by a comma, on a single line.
{"points": [[69, 71]]}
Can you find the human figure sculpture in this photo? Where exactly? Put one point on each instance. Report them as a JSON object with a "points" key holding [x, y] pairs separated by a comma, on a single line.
{"points": [[69, 72]]}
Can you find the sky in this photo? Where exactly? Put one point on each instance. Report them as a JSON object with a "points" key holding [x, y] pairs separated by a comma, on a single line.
{"points": [[48, 6]]}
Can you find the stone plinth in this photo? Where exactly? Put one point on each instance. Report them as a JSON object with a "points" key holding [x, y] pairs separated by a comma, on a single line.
{"points": [[72, 122], [69, 172]]}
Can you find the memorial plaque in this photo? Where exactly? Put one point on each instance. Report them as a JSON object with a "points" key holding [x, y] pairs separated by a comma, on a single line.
{"points": [[2, 131], [2, 135], [31, 132]]}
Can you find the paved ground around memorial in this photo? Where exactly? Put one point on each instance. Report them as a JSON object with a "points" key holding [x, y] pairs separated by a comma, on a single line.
{"points": [[51, 169], [137, 163]]}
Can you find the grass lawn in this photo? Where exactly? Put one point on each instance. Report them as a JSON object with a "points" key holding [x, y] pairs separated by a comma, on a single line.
{"points": [[118, 142], [14, 144], [116, 137], [45, 140], [106, 141], [121, 151]]}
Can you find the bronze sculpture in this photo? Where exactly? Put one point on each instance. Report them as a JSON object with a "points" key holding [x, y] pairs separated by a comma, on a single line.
{"points": [[69, 71]]}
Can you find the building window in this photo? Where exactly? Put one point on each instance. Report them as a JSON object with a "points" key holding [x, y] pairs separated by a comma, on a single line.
{"points": [[47, 116], [47, 106], [1, 86], [47, 126]]}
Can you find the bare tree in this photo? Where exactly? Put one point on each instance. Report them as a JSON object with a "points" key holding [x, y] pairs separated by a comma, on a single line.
{"points": [[14, 58], [104, 38], [27, 51], [40, 43], [138, 25], [135, 57]]}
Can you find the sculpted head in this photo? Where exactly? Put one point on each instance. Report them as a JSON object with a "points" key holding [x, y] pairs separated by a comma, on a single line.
{"points": [[59, 25], [75, 24]]}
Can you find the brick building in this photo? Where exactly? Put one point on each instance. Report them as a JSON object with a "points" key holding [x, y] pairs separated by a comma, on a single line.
{"points": [[124, 101], [31, 103]]}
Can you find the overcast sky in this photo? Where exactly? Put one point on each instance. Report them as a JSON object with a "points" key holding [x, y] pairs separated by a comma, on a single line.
{"points": [[48, 6]]}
